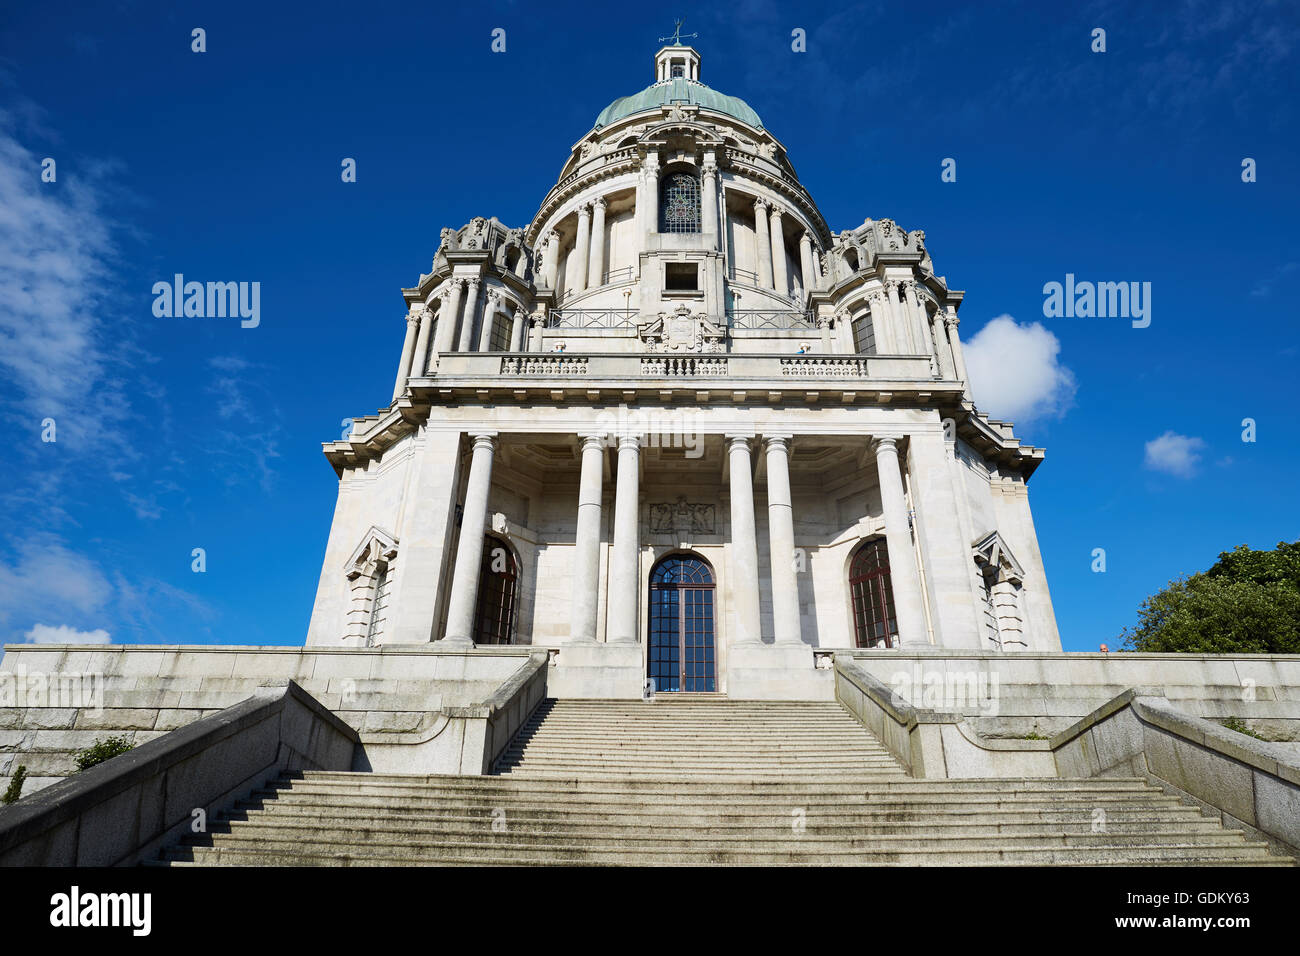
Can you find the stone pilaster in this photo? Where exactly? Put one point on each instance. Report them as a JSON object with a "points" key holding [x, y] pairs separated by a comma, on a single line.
{"points": [[491, 307], [808, 264], [552, 267], [959, 360], [709, 185], [517, 329]]}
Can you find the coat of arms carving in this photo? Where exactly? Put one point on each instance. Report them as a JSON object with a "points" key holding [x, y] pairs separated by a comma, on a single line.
{"points": [[682, 331], [683, 517]]}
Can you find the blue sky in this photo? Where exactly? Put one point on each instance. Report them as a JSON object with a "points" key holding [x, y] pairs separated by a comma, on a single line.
{"points": [[175, 434]]}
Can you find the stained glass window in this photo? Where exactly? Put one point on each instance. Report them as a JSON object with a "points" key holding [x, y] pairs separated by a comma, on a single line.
{"points": [[679, 203]]}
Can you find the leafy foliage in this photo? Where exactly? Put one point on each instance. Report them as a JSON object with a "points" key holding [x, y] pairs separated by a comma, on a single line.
{"points": [[1248, 602], [100, 751], [15, 785]]}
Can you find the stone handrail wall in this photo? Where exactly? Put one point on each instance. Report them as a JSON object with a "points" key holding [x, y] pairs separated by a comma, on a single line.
{"points": [[124, 810], [489, 727], [1252, 785]]}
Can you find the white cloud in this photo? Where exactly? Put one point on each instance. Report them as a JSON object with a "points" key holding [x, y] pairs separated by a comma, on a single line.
{"points": [[45, 575], [1174, 454], [45, 634], [1015, 371]]}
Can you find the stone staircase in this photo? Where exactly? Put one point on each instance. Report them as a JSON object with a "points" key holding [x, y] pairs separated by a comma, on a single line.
{"points": [[701, 780]]}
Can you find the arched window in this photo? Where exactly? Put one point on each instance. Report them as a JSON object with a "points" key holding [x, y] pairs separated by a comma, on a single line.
{"points": [[494, 613], [679, 203], [681, 651], [874, 624]]}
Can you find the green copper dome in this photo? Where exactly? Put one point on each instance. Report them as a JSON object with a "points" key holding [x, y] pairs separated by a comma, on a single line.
{"points": [[678, 90]]}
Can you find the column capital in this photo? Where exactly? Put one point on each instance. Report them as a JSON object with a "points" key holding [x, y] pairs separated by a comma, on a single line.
{"points": [[470, 281], [709, 169], [777, 210], [494, 297], [629, 441], [592, 439], [484, 440], [599, 203], [584, 209], [885, 443], [781, 441], [734, 438], [950, 319], [413, 317], [761, 203]]}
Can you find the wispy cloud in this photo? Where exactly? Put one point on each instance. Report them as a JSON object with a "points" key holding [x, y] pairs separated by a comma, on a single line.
{"points": [[1174, 454], [63, 634]]}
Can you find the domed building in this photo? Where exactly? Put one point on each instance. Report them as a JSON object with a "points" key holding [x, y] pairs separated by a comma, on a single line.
{"points": [[682, 434]]}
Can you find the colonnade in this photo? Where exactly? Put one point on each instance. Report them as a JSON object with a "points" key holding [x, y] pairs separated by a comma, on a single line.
{"points": [[624, 578]]}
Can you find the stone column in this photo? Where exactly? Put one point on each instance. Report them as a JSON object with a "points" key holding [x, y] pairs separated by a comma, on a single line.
{"points": [[709, 183], [920, 321], [582, 248], [467, 317], [408, 351], [744, 542], [807, 264], [903, 576], [780, 275], [647, 200], [780, 533], [586, 558], [469, 551], [904, 333], [493, 303], [420, 357], [946, 368], [886, 343], [764, 243], [447, 317], [958, 360], [624, 571], [517, 329], [596, 272], [552, 259]]}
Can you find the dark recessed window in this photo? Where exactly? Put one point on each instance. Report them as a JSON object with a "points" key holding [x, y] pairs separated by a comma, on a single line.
{"points": [[872, 596], [681, 277]]}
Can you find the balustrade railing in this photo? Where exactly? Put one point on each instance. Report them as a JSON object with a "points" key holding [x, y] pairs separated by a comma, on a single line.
{"points": [[591, 318], [687, 365], [544, 364], [782, 319]]}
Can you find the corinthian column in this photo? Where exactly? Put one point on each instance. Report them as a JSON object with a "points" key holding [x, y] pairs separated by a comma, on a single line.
{"points": [[904, 579], [624, 571], [780, 534], [408, 351], [744, 542], [900, 323], [780, 275], [586, 558], [920, 321], [881, 322], [552, 259], [596, 272], [709, 183], [806, 264], [493, 303], [469, 551], [467, 317], [647, 200], [764, 242], [958, 360], [517, 329], [447, 317], [582, 248]]}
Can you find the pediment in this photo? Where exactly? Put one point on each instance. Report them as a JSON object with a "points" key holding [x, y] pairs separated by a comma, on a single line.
{"points": [[376, 545], [993, 556]]}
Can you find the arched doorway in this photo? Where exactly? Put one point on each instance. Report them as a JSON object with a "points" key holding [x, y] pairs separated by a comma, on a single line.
{"points": [[682, 625], [872, 596], [494, 612]]}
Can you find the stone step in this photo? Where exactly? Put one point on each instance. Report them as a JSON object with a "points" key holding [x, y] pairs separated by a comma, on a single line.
{"points": [[355, 828], [550, 853]]}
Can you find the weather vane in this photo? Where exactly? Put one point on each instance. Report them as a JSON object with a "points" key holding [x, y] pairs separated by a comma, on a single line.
{"points": [[676, 38]]}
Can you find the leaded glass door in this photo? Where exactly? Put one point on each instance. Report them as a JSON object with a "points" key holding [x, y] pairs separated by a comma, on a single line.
{"points": [[682, 625]]}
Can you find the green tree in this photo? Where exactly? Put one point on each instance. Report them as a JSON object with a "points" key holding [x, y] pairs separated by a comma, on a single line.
{"points": [[1248, 602]]}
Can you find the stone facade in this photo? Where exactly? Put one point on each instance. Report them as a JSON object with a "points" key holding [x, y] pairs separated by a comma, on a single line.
{"points": [[678, 356]]}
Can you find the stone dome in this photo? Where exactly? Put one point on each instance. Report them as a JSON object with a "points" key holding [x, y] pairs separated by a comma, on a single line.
{"points": [[678, 90]]}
